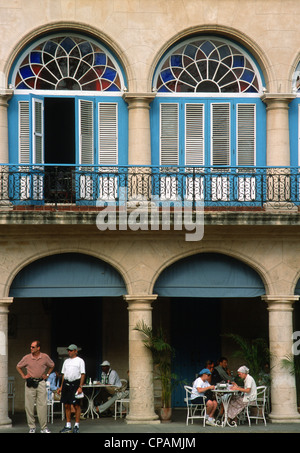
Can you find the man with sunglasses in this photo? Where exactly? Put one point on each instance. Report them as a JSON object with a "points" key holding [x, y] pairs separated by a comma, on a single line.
{"points": [[38, 366], [73, 376]]}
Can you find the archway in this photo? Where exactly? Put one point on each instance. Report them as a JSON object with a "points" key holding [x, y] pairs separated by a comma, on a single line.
{"points": [[69, 298], [208, 294]]}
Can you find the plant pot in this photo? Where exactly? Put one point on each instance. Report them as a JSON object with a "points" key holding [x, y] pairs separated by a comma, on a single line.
{"points": [[166, 414]]}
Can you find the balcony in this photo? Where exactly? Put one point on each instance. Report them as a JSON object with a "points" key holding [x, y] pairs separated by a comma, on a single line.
{"points": [[71, 187]]}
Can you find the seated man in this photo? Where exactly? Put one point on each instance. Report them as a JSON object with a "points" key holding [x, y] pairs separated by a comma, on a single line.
{"points": [[220, 372], [108, 395]]}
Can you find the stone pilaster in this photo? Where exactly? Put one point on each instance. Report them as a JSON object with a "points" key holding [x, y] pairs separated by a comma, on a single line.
{"points": [[283, 386], [5, 95], [5, 302], [140, 363]]}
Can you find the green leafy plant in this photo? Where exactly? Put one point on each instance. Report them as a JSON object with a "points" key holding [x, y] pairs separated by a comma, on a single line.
{"points": [[162, 353], [291, 363], [255, 354]]}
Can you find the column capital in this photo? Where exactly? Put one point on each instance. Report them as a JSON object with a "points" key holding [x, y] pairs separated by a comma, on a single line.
{"points": [[5, 302], [138, 100], [282, 98], [5, 95], [280, 302], [140, 301]]}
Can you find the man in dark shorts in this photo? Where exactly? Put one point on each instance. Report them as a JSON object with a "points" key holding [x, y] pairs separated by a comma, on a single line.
{"points": [[73, 376]]}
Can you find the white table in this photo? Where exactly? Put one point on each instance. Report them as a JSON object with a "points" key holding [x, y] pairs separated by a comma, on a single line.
{"points": [[90, 396], [224, 396]]}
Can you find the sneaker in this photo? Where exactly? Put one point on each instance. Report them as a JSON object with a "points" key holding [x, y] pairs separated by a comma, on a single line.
{"points": [[66, 429], [210, 423], [76, 429], [32, 430], [45, 430]]}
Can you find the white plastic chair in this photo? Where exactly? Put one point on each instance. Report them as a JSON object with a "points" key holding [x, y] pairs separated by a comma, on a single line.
{"points": [[50, 405], [257, 407], [122, 403], [194, 411], [11, 392]]}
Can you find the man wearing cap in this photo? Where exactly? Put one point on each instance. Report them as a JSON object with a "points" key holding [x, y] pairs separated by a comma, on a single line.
{"points": [[73, 376], [108, 395], [200, 386]]}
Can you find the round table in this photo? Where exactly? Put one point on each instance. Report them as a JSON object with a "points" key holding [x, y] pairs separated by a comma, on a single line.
{"points": [[90, 396], [224, 396]]}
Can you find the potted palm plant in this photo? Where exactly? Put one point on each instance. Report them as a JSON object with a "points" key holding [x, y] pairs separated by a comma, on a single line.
{"points": [[255, 353], [162, 354]]}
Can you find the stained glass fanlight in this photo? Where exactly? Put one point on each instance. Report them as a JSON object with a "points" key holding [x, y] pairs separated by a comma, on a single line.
{"points": [[207, 65], [68, 63]]}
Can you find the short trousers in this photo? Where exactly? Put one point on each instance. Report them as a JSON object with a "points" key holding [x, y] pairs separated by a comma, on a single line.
{"points": [[69, 388]]}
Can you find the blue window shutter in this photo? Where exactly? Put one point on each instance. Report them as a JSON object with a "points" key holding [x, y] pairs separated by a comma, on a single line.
{"points": [[169, 134], [24, 133], [220, 134], [108, 133], [86, 132], [246, 134]]}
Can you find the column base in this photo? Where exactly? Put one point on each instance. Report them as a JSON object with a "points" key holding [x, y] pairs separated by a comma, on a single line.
{"points": [[5, 423], [284, 418], [142, 421]]}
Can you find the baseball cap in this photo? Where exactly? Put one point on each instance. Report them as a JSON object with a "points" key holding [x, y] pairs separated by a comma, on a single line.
{"points": [[105, 363], [72, 347], [204, 371]]}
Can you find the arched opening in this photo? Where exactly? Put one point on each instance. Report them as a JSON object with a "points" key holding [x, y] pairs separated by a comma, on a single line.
{"points": [[69, 298], [209, 295]]}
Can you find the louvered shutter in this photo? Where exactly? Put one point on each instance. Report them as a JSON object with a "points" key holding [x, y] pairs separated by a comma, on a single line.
{"points": [[38, 129], [86, 147], [86, 132], [108, 149], [220, 140], [169, 133], [246, 134], [194, 134], [24, 138], [108, 134]]}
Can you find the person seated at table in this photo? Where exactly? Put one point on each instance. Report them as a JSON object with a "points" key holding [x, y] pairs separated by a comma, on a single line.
{"points": [[108, 395], [220, 372], [237, 402], [202, 388], [54, 380], [210, 365]]}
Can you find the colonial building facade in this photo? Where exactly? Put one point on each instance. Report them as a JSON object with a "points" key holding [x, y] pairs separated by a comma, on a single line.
{"points": [[149, 155]]}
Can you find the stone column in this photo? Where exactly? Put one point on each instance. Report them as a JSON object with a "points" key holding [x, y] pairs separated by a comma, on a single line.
{"points": [[283, 386], [140, 363], [278, 150], [5, 95], [139, 143], [5, 302]]}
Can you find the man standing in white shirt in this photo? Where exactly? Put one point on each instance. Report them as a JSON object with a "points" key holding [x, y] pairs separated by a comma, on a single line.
{"points": [[73, 376]]}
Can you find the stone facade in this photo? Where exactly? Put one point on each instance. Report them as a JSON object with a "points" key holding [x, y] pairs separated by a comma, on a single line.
{"points": [[139, 32]]}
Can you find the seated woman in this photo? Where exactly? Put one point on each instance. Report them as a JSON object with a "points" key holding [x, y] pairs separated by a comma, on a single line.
{"points": [[200, 386], [237, 402]]}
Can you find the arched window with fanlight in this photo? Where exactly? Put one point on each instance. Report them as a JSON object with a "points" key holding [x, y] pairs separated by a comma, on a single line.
{"points": [[207, 111], [67, 106]]}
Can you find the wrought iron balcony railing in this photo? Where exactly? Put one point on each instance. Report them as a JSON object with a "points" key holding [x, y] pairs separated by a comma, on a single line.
{"points": [[54, 185]]}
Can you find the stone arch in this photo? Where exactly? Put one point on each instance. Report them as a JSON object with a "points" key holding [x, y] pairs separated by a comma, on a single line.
{"points": [[79, 27], [252, 264], [222, 31], [41, 255]]}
